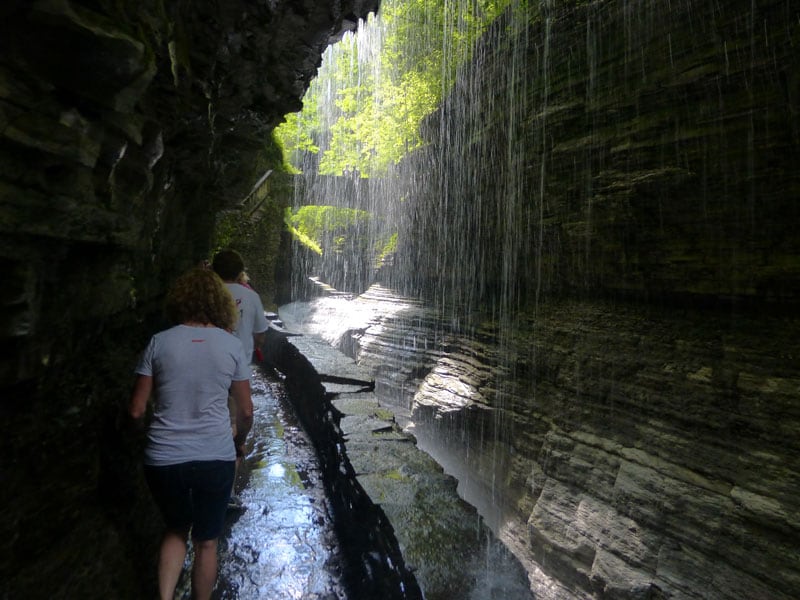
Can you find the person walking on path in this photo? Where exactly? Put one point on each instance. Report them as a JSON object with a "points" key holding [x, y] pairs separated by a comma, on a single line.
{"points": [[250, 328], [252, 325], [189, 464]]}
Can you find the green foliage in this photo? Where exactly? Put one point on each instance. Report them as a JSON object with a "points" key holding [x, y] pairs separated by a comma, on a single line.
{"points": [[313, 225], [294, 136], [275, 155], [237, 228], [388, 247], [299, 235], [374, 89], [230, 227]]}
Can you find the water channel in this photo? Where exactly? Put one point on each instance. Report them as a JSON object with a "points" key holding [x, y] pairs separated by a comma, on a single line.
{"points": [[281, 545], [388, 337]]}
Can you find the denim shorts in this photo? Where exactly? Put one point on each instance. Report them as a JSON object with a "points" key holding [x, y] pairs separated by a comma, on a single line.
{"points": [[193, 495]]}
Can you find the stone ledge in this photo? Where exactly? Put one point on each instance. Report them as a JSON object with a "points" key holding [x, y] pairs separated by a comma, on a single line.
{"points": [[378, 475]]}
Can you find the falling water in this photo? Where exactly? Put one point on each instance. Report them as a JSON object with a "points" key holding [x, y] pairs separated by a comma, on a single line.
{"points": [[578, 150], [459, 205]]}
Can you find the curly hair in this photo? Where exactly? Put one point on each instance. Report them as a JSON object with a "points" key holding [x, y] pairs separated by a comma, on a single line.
{"points": [[201, 296]]}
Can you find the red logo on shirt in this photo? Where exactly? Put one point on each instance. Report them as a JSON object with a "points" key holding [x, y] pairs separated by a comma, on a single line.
{"points": [[196, 341]]}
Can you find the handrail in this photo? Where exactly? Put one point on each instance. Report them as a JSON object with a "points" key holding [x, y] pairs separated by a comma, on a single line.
{"points": [[253, 191]]}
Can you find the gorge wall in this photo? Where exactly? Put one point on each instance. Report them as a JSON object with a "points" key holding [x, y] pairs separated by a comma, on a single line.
{"points": [[625, 451], [612, 188], [124, 129], [636, 149], [630, 214]]}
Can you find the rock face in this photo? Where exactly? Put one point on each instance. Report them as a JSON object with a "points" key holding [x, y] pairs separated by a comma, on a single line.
{"points": [[124, 129], [394, 505], [622, 451], [625, 149], [375, 567], [638, 198], [612, 189]]}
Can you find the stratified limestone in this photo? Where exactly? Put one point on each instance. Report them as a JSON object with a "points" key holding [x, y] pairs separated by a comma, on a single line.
{"points": [[634, 453], [125, 127], [390, 494], [616, 184], [642, 149]]}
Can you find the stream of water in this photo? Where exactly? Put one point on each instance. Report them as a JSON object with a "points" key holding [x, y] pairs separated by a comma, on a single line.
{"points": [[281, 545]]}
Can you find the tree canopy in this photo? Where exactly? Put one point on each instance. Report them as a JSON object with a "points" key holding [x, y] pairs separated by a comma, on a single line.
{"points": [[375, 87]]}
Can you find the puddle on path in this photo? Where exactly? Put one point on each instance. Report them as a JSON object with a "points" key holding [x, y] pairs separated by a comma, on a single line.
{"points": [[282, 545]]}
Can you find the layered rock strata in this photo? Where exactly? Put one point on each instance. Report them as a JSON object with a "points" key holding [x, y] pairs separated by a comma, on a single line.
{"points": [[402, 524], [627, 452], [124, 129], [637, 149], [603, 225]]}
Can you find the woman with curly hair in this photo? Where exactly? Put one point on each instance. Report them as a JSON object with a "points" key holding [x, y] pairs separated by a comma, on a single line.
{"points": [[189, 457]]}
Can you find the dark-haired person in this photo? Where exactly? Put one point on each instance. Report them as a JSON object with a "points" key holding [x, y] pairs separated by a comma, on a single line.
{"points": [[252, 325], [189, 370]]}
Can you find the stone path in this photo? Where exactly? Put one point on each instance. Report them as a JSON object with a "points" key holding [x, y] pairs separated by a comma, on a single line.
{"points": [[281, 546]]}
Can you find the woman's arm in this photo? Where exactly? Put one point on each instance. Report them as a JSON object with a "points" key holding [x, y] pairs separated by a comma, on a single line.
{"points": [[137, 407], [240, 390]]}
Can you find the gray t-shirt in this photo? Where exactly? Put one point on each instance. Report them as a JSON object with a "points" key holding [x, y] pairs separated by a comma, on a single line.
{"points": [[192, 370], [251, 315]]}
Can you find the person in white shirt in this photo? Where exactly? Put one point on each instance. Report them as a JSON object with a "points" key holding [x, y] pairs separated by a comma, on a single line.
{"points": [[250, 328], [252, 325], [190, 458]]}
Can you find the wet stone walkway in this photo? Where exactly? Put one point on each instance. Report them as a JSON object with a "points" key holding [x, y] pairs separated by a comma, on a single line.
{"points": [[281, 545]]}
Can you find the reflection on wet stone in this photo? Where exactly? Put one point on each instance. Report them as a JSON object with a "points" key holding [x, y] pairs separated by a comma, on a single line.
{"points": [[282, 545]]}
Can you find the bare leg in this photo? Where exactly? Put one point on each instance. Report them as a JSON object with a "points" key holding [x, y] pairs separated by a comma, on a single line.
{"points": [[204, 572], [236, 466], [170, 562], [232, 410]]}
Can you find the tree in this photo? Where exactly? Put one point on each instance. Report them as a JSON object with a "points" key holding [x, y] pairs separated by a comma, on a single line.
{"points": [[376, 86]]}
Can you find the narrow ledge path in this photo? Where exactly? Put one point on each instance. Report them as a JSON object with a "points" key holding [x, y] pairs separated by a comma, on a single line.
{"points": [[281, 544]]}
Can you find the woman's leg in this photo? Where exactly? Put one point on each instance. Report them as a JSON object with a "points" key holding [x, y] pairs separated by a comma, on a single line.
{"points": [[175, 502], [212, 482], [204, 572], [170, 562]]}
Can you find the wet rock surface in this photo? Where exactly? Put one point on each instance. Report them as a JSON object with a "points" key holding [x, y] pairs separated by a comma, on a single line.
{"points": [[443, 539], [279, 540], [124, 128], [127, 126], [654, 152], [627, 452], [281, 543]]}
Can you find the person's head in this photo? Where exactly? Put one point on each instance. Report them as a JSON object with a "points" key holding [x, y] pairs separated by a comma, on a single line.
{"points": [[228, 264], [200, 296]]}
